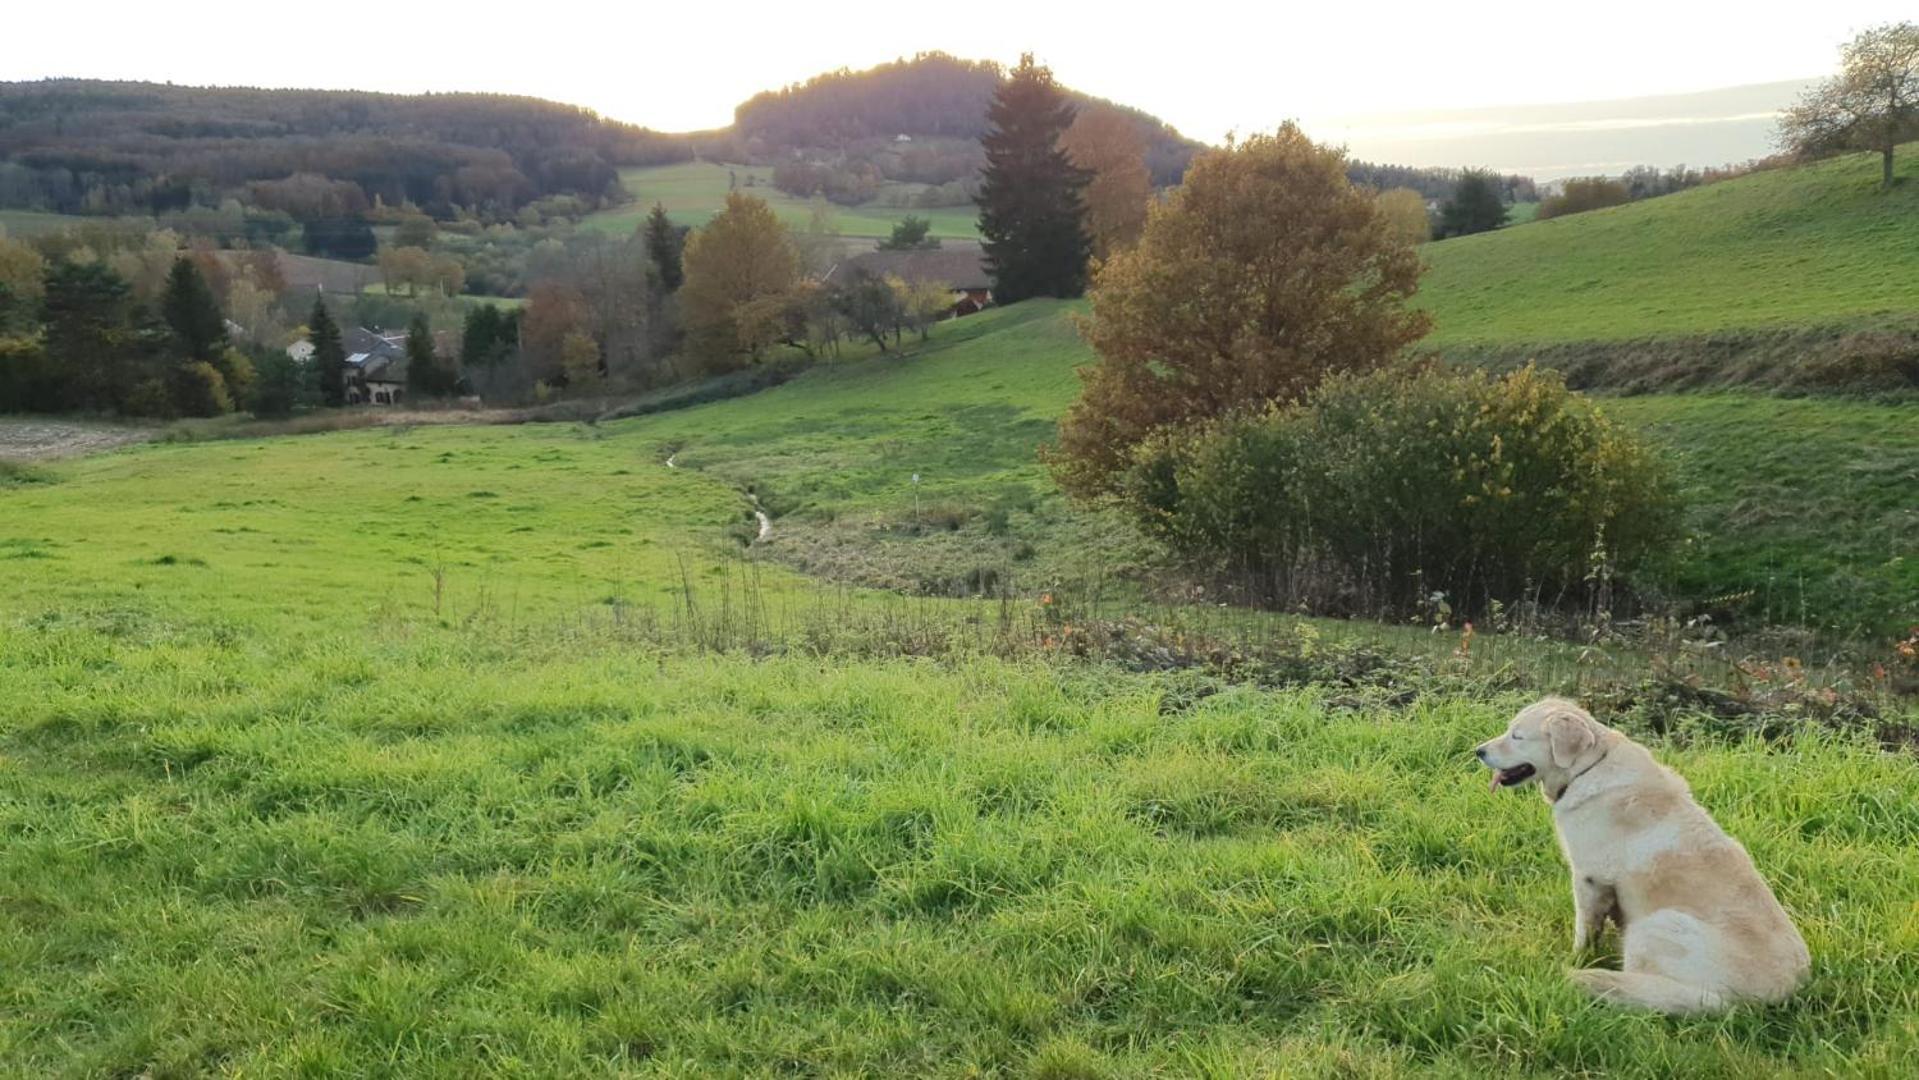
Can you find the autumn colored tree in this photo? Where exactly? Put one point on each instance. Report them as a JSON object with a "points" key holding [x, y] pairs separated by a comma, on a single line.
{"points": [[1263, 273], [408, 266], [580, 360], [1031, 213], [1107, 143], [1405, 212], [740, 261], [553, 311], [22, 279], [1872, 104], [447, 274], [1583, 193]]}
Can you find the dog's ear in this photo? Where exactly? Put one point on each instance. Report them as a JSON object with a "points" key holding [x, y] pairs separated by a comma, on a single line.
{"points": [[1570, 735]]}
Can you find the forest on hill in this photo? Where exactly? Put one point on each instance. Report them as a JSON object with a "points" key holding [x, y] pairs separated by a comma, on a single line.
{"points": [[931, 94], [75, 146]]}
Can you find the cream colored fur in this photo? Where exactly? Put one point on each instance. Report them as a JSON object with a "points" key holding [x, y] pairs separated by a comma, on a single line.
{"points": [[1700, 928]]}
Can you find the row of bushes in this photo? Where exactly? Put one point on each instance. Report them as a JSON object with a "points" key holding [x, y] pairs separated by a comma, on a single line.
{"points": [[1403, 489]]}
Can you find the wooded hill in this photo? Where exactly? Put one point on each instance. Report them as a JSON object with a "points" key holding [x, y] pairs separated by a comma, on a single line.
{"points": [[85, 146], [931, 94]]}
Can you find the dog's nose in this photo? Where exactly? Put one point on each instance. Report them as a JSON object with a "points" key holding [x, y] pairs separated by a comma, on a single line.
{"points": [[1479, 752]]}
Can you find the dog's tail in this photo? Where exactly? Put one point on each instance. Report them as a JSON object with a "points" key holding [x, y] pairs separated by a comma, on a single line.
{"points": [[1647, 991]]}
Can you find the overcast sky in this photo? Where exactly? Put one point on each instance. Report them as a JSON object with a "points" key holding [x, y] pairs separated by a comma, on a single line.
{"points": [[1207, 67]]}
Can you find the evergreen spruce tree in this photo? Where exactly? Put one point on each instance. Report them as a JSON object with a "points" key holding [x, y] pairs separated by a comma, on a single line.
{"points": [[426, 377], [1032, 216], [664, 242], [329, 355], [199, 328], [1475, 206]]}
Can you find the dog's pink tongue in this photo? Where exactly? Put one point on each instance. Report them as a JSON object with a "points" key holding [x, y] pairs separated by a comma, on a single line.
{"points": [[1495, 785]]}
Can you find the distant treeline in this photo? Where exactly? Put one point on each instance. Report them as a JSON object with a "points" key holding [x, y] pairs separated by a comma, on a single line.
{"points": [[1434, 183], [860, 113], [81, 146]]}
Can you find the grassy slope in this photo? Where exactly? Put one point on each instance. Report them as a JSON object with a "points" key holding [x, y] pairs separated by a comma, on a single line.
{"points": [[694, 191], [267, 812], [1788, 247], [1808, 504], [1812, 505]]}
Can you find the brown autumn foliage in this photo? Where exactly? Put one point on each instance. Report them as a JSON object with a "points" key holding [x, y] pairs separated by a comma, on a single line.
{"points": [[1108, 144], [1406, 215], [740, 268], [1262, 274], [553, 313]]}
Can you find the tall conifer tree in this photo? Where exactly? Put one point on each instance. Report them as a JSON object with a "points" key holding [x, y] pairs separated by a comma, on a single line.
{"points": [[329, 355], [1032, 214]]}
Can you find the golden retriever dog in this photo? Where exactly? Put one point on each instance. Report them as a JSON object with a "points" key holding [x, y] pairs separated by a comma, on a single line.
{"points": [[1700, 929]]}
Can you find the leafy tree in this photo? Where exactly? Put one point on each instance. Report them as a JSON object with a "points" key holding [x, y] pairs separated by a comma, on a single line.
{"points": [[329, 355], [22, 283], [1260, 275], [554, 310], [921, 303], [1032, 219], [1405, 212], [197, 388], [1872, 104], [869, 305], [408, 266], [1584, 193], [910, 234], [1475, 207], [741, 259], [280, 386], [415, 230], [664, 244], [1107, 143], [447, 274], [580, 360]]}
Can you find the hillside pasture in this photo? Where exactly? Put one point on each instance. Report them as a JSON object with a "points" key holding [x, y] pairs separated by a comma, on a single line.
{"points": [[346, 754], [693, 192], [1817, 245], [1803, 509]]}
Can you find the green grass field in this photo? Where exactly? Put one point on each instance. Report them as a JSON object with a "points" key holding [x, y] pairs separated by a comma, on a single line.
{"points": [[1806, 504], [694, 191], [1788, 247], [275, 805], [489, 751]]}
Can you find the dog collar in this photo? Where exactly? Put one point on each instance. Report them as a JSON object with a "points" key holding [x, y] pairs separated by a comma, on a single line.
{"points": [[1567, 786]]}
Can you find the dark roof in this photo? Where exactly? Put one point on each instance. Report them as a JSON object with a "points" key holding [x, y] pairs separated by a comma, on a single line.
{"points": [[358, 339], [961, 266]]}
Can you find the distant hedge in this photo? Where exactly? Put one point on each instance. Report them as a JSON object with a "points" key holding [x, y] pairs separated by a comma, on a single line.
{"points": [[1393, 492]]}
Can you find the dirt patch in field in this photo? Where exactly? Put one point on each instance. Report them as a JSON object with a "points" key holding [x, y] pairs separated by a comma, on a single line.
{"points": [[32, 439]]}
